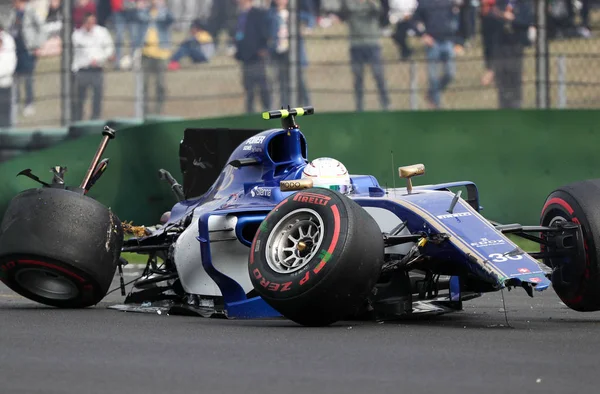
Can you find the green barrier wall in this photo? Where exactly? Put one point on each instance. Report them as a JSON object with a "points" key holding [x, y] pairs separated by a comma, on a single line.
{"points": [[130, 185], [515, 157]]}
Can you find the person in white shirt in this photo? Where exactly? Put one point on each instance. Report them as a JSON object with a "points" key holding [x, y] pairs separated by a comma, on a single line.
{"points": [[8, 64], [93, 48], [26, 27]]}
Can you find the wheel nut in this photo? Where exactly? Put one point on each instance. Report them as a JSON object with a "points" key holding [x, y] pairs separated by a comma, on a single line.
{"points": [[301, 246]]}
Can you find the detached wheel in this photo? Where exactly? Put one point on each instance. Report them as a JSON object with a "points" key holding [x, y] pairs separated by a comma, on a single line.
{"points": [[59, 248], [576, 279], [316, 257]]}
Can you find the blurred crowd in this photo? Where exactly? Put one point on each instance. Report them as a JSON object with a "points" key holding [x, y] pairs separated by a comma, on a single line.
{"points": [[121, 34]]}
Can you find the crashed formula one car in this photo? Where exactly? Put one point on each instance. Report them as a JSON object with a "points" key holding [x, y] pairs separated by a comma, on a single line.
{"points": [[260, 231]]}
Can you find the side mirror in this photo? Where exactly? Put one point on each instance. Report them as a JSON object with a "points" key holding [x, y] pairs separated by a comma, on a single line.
{"points": [[409, 171]]}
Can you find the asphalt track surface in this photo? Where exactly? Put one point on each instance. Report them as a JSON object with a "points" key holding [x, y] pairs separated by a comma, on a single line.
{"points": [[547, 349]]}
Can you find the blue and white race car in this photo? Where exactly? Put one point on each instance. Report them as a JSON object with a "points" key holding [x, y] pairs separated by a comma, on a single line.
{"points": [[268, 233]]}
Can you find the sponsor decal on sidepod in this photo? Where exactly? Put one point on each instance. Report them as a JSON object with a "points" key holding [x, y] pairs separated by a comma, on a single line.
{"points": [[260, 192]]}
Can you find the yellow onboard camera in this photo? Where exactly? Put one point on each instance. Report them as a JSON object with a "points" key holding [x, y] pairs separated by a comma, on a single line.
{"points": [[288, 116]]}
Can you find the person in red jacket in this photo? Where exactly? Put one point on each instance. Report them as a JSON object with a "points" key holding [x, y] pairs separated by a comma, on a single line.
{"points": [[81, 9], [124, 19]]}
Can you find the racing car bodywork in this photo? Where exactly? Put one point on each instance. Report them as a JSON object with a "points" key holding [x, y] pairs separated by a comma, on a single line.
{"points": [[431, 249]]}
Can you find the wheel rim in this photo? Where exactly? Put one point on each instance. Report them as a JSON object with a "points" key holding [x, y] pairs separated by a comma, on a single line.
{"points": [[294, 241], [556, 219], [46, 283]]}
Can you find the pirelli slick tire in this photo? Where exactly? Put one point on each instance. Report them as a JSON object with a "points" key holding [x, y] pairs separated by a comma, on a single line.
{"points": [[316, 257], [576, 279], [59, 248]]}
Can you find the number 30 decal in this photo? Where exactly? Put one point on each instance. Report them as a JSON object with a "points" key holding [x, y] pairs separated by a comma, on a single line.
{"points": [[500, 258]]}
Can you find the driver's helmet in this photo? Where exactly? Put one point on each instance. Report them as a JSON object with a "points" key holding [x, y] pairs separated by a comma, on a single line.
{"points": [[328, 173]]}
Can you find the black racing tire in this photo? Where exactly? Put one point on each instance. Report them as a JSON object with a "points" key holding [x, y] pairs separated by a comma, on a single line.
{"points": [[577, 280], [340, 265], [59, 247]]}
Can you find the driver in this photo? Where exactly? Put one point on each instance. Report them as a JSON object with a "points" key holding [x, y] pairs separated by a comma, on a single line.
{"points": [[328, 173]]}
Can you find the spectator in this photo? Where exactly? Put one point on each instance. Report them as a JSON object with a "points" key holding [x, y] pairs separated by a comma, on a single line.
{"points": [[54, 19], [184, 12], [280, 54], [384, 14], [27, 29], [401, 13], [8, 65], [584, 28], [309, 12], [92, 49], [203, 11], [53, 28], [103, 12], [124, 18], [561, 15], [155, 39], [251, 38], [489, 27], [81, 9], [40, 7], [466, 24], [363, 18], [316, 6], [561, 19], [223, 17], [516, 16], [199, 47], [328, 13], [439, 29]]}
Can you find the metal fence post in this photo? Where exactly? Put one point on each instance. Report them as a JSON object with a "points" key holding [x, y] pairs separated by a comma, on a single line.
{"points": [[414, 86], [294, 58], [65, 63], [562, 81], [541, 55], [138, 73]]}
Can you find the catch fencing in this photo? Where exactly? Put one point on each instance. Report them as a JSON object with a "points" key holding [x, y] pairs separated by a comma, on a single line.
{"points": [[216, 88]]}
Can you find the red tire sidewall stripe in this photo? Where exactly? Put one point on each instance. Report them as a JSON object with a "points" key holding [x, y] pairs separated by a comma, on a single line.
{"points": [[253, 246], [561, 202], [334, 240], [52, 266]]}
